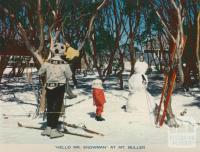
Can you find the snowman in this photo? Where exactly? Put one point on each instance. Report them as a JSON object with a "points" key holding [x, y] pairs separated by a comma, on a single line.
{"points": [[140, 102]]}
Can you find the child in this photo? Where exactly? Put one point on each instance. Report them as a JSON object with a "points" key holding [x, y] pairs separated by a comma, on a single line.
{"points": [[98, 98]]}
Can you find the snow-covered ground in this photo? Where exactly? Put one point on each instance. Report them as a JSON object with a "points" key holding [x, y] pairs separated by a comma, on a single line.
{"points": [[17, 97]]}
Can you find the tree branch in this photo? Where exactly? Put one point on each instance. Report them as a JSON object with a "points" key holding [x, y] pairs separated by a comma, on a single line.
{"points": [[28, 44], [41, 24], [91, 23], [198, 45], [162, 22]]}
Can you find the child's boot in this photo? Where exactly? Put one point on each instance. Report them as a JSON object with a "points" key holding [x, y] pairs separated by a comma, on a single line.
{"points": [[99, 118]]}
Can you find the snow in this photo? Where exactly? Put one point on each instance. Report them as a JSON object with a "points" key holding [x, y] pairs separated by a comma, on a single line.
{"points": [[120, 127]]}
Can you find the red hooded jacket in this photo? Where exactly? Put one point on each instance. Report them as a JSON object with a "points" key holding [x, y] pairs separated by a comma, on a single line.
{"points": [[98, 96]]}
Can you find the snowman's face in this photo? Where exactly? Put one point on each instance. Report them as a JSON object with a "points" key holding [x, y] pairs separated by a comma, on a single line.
{"points": [[58, 49], [141, 58], [65, 50]]}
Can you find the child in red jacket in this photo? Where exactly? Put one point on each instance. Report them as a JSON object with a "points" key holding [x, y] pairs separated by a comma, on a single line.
{"points": [[98, 98]]}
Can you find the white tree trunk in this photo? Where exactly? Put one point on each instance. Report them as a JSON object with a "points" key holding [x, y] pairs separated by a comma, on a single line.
{"points": [[198, 44]]}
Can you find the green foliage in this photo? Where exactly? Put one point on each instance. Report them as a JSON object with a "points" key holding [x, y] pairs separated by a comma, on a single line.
{"points": [[87, 48], [132, 6], [105, 41], [12, 5]]}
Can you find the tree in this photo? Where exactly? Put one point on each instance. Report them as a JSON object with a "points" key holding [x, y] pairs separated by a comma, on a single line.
{"points": [[133, 9], [198, 45], [190, 57], [106, 38], [171, 16]]}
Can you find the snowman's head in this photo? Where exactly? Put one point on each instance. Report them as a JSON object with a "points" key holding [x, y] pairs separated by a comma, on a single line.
{"points": [[141, 59], [140, 67], [65, 51], [58, 49]]}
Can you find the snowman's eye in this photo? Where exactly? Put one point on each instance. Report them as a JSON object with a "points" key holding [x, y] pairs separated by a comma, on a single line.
{"points": [[56, 51]]}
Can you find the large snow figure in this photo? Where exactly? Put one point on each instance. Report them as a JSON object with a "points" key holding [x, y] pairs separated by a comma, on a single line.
{"points": [[139, 100], [57, 72]]}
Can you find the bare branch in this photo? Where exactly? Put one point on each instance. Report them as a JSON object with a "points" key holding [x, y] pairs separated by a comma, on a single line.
{"points": [[162, 22], [91, 23], [198, 43], [180, 21], [41, 24], [25, 37], [28, 44]]}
